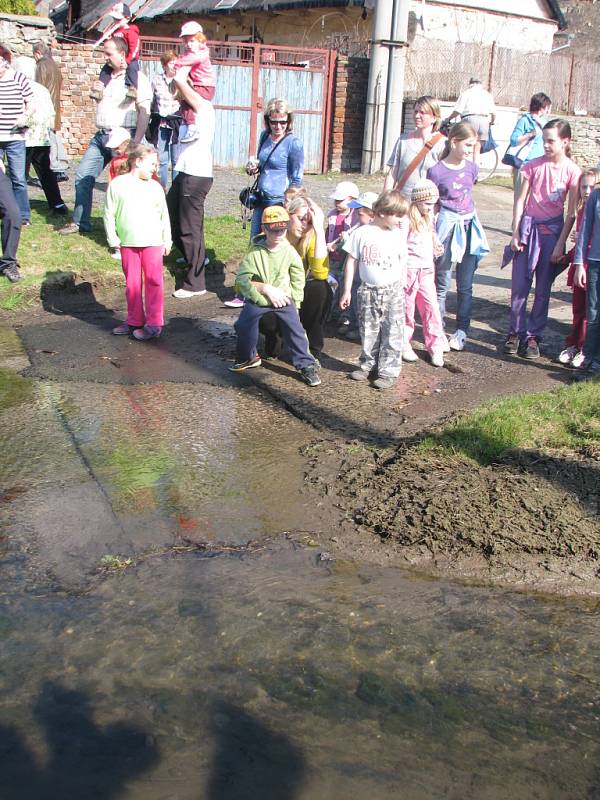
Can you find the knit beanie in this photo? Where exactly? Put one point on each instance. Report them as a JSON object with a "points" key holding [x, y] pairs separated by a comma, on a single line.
{"points": [[424, 190]]}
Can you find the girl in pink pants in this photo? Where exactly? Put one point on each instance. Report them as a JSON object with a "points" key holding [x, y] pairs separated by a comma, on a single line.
{"points": [[137, 221], [420, 277]]}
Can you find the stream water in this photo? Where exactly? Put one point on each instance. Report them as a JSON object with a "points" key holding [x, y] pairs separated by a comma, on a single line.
{"points": [[265, 672]]}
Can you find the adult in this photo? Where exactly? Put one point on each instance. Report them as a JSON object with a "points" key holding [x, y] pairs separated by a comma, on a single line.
{"points": [[11, 229], [37, 140], [528, 133], [163, 131], [115, 109], [476, 106], [48, 73], [188, 191], [415, 152], [306, 234], [16, 96], [280, 159]]}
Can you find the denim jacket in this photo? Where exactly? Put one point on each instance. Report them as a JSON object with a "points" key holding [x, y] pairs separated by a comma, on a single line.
{"points": [[451, 224]]}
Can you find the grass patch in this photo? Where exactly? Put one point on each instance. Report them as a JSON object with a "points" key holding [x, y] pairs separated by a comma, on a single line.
{"points": [[47, 258], [500, 180], [568, 417]]}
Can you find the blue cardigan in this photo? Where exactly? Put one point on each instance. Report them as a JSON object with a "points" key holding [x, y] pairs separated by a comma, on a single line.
{"points": [[284, 168], [526, 124], [588, 241]]}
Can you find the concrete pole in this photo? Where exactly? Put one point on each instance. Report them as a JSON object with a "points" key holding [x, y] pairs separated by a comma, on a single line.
{"points": [[395, 84], [376, 92]]}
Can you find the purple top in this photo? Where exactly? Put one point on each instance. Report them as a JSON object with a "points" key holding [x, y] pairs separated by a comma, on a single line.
{"points": [[455, 186]]}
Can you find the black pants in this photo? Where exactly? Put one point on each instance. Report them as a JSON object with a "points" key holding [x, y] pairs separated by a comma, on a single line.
{"points": [[313, 313], [39, 158], [11, 223], [131, 74], [185, 202]]}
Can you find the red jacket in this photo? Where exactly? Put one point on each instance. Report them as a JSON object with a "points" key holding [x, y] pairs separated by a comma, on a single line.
{"points": [[131, 34]]}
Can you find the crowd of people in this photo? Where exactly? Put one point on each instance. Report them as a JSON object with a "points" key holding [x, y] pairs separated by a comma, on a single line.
{"points": [[365, 266]]}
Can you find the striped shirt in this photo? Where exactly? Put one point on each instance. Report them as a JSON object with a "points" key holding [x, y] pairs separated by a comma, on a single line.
{"points": [[15, 94]]}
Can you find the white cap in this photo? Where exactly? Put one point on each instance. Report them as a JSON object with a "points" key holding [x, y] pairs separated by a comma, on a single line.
{"points": [[191, 29], [116, 12], [364, 200], [116, 137], [343, 190]]}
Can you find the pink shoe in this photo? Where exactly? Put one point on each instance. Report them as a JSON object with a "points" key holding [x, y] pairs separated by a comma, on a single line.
{"points": [[147, 332], [236, 302], [124, 329]]}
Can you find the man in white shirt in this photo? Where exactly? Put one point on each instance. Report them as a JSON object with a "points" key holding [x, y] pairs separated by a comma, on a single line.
{"points": [[115, 110], [476, 106]]}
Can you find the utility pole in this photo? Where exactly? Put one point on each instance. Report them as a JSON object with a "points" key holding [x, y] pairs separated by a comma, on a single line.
{"points": [[385, 93]]}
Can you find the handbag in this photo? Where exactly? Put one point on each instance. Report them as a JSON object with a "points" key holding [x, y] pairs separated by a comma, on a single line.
{"points": [[516, 155], [251, 196], [490, 143]]}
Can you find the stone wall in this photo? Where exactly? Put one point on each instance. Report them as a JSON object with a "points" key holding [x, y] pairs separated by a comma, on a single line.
{"points": [[80, 67], [585, 144], [19, 33], [348, 116]]}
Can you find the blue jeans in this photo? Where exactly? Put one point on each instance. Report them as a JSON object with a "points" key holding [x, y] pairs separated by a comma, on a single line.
{"points": [[167, 153], [95, 159], [465, 271], [15, 166], [291, 328], [591, 347]]}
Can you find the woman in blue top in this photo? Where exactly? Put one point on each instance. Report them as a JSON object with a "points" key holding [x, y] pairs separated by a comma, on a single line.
{"points": [[528, 131], [280, 159]]}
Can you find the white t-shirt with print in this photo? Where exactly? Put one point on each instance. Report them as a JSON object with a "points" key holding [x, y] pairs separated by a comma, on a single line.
{"points": [[381, 254]]}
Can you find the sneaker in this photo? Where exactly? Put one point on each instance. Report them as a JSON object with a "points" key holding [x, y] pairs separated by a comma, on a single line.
{"points": [[353, 334], [437, 357], [511, 345], [240, 366], [67, 230], [384, 382], [181, 294], [531, 348], [61, 210], [408, 354], [579, 361], [446, 346], [344, 327], [61, 177], [235, 302], [12, 273], [34, 182], [115, 252], [310, 376], [147, 332], [191, 135], [457, 340], [124, 329], [359, 375], [567, 355]]}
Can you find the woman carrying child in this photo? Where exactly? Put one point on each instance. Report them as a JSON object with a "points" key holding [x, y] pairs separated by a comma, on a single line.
{"points": [[380, 252], [458, 227], [540, 232], [573, 355], [420, 276], [136, 220]]}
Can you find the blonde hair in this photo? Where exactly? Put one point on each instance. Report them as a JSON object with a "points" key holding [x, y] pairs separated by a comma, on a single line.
{"points": [[459, 131], [418, 221], [392, 202], [279, 106], [296, 204], [430, 104], [292, 192], [587, 173], [200, 37]]}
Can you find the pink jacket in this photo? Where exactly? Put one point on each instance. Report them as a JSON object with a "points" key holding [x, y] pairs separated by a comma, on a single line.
{"points": [[201, 73]]}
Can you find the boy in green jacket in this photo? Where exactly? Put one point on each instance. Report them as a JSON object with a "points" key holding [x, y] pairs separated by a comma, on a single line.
{"points": [[271, 279]]}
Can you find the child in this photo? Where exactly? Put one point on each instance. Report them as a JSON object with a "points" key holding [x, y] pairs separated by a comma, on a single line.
{"points": [[291, 193], [201, 75], [588, 249], [339, 221], [123, 29], [573, 352], [420, 275], [458, 227], [136, 220], [118, 141], [539, 235], [271, 279], [363, 206], [380, 251]]}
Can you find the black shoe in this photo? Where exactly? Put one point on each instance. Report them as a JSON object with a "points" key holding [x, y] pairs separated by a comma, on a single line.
{"points": [[34, 182], [61, 209], [511, 345], [310, 376], [530, 349], [12, 273], [61, 177]]}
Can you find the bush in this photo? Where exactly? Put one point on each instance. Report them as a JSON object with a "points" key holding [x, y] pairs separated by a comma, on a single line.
{"points": [[18, 7]]}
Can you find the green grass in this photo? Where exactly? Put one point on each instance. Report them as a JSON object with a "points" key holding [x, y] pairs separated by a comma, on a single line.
{"points": [[500, 180], [47, 258], [568, 417]]}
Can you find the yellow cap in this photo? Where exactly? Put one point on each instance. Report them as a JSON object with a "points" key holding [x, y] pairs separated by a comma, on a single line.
{"points": [[275, 216]]}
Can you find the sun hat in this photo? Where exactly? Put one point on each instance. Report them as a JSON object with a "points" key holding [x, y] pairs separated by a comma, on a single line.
{"points": [[424, 190], [343, 190], [120, 11], [116, 137], [364, 200], [275, 217], [191, 29]]}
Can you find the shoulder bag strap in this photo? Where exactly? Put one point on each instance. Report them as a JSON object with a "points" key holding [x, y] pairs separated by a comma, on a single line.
{"points": [[267, 159], [427, 147]]}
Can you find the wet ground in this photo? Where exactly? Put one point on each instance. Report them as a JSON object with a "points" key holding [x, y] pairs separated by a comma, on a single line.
{"points": [[189, 608]]}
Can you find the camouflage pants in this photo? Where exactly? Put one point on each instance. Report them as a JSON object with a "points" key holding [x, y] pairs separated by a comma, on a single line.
{"points": [[381, 324]]}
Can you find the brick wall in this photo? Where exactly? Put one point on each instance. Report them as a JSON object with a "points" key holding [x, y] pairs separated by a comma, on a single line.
{"points": [[80, 67], [348, 122]]}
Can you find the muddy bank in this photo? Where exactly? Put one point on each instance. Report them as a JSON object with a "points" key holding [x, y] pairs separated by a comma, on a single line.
{"points": [[530, 521]]}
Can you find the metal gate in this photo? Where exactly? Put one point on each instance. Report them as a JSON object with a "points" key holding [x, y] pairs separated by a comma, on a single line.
{"points": [[248, 75]]}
